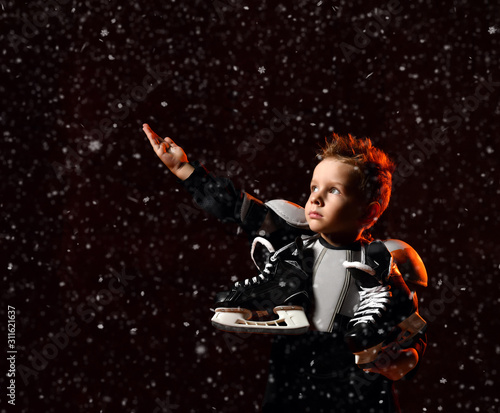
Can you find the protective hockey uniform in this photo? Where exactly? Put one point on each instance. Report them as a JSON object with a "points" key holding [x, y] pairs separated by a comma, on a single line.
{"points": [[315, 371]]}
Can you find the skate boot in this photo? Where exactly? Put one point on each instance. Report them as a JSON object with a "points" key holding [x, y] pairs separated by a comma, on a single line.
{"points": [[280, 290], [387, 311]]}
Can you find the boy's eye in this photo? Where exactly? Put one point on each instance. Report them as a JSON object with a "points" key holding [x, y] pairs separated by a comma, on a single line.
{"points": [[334, 191]]}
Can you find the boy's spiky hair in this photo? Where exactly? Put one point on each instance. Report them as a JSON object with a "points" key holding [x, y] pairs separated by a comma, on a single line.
{"points": [[374, 166]]}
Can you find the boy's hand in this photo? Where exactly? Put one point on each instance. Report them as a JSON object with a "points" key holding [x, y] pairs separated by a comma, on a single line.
{"points": [[171, 155]]}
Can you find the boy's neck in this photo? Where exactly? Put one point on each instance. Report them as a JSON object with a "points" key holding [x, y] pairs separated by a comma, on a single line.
{"points": [[337, 240]]}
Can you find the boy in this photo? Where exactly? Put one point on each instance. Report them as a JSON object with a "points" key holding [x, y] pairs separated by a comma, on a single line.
{"points": [[350, 189]]}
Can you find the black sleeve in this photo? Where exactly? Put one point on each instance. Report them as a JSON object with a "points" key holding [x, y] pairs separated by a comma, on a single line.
{"points": [[219, 197]]}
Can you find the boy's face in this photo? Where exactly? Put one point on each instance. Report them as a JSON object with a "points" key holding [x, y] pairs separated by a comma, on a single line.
{"points": [[336, 206]]}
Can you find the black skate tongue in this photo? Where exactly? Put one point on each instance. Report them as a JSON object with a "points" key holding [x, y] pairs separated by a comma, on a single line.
{"points": [[299, 244], [379, 258], [293, 251], [220, 297], [261, 256], [363, 278]]}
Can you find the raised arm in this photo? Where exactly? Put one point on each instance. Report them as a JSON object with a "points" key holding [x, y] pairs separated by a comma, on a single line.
{"points": [[216, 195], [275, 220]]}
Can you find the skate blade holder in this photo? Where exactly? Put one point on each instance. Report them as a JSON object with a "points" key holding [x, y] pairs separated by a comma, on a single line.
{"points": [[291, 320], [409, 327]]}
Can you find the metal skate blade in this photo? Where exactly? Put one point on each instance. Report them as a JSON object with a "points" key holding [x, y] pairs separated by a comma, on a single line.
{"points": [[291, 320]]}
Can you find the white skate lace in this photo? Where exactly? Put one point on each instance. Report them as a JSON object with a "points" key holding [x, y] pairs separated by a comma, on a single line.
{"points": [[261, 277], [257, 279], [372, 302], [263, 241]]}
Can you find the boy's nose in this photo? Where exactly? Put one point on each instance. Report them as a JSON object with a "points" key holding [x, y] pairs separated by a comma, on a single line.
{"points": [[316, 199]]}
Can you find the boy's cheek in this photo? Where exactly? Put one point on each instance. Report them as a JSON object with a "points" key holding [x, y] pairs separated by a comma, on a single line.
{"points": [[306, 209], [307, 218]]}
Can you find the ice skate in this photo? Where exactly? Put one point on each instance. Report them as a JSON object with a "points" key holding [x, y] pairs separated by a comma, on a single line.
{"points": [[387, 311], [273, 302]]}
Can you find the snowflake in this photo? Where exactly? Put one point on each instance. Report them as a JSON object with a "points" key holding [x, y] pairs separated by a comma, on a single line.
{"points": [[200, 349], [104, 32], [492, 30], [95, 146], [262, 70], [443, 381], [165, 405]]}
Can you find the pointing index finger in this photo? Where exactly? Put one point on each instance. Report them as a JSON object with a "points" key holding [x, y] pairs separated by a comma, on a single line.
{"points": [[152, 136]]}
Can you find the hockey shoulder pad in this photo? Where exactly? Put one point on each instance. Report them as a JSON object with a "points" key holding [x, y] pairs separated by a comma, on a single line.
{"points": [[408, 261], [293, 214]]}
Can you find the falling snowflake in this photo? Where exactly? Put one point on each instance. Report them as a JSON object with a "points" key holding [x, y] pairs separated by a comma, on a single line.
{"points": [[262, 70], [104, 32], [443, 381], [492, 30], [165, 405], [200, 349], [94, 146]]}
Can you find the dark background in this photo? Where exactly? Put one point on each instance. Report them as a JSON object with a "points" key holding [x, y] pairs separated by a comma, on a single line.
{"points": [[86, 203]]}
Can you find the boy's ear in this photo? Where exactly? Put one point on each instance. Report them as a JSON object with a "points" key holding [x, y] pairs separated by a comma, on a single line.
{"points": [[371, 214]]}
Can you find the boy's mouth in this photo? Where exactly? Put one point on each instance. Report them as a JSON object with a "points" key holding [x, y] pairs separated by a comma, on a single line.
{"points": [[314, 214]]}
